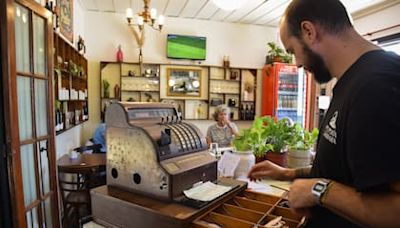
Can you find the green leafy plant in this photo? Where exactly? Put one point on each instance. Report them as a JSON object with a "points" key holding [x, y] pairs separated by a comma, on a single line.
{"points": [[106, 87], [302, 139], [277, 54], [264, 135], [73, 68]]}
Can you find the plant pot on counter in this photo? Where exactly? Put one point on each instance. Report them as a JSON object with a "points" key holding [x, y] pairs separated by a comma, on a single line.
{"points": [[298, 158], [277, 158], [247, 160]]}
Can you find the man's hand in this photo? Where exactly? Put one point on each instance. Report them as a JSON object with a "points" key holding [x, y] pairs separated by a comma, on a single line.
{"points": [[270, 170], [300, 196]]}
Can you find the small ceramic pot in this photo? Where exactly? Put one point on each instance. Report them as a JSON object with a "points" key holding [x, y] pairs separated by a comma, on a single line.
{"points": [[247, 160], [298, 158]]}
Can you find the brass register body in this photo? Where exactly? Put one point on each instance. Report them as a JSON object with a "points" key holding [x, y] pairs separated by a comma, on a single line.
{"points": [[151, 151]]}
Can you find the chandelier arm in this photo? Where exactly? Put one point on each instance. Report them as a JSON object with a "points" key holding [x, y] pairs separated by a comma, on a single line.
{"points": [[138, 37]]}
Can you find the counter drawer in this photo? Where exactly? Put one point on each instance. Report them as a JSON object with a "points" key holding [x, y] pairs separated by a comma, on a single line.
{"points": [[247, 210]]}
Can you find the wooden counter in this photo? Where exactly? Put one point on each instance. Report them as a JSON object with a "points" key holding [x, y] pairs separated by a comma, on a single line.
{"points": [[115, 207]]}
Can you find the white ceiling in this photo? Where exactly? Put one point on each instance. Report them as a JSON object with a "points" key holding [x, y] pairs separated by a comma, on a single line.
{"points": [[258, 12]]}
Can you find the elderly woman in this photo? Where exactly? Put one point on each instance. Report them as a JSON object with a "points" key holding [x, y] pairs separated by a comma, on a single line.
{"points": [[224, 130]]}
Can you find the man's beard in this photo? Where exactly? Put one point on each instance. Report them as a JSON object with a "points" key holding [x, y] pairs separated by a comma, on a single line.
{"points": [[316, 65]]}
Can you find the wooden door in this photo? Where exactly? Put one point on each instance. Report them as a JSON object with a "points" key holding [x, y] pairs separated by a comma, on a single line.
{"points": [[28, 113]]}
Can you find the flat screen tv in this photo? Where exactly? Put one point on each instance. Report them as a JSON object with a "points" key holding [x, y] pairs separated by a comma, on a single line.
{"points": [[186, 47]]}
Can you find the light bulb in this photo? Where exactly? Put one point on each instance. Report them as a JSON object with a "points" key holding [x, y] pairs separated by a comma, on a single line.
{"points": [[153, 13], [161, 20], [140, 20], [196, 84], [129, 13], [18, 12]]}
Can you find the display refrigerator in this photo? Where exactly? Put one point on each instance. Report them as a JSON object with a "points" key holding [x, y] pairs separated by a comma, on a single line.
{"points": [[285, 92]]}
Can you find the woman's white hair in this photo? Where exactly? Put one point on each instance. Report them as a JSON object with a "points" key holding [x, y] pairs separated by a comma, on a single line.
{"points": [[221, 108]]}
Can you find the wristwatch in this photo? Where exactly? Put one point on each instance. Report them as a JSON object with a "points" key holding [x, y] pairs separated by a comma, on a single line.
{"points": [[320, 188]]}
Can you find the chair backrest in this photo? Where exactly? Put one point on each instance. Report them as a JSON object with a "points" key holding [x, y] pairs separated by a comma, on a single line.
{"points": [[95, 148], [74, 186], [71, 182]]}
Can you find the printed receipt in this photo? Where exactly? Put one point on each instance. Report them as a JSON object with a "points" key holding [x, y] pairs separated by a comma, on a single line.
{"points": [[206, 191]]}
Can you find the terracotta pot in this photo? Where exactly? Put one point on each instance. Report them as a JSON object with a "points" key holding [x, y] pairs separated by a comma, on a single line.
{"points": [[277, 158], [260, 159]]}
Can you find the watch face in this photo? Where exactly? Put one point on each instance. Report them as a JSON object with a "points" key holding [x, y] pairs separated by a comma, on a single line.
{"points": [[319, 187]]}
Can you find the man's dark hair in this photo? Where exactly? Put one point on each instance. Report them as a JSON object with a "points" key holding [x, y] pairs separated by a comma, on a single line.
{"points": [[331, 15]]}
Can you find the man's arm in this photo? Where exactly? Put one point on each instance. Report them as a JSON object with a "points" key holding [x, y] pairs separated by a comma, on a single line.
{"points": [[267, 169], [368, 209]]}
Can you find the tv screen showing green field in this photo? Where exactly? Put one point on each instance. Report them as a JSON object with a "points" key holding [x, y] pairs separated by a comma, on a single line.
{"points": [[186, 47]]}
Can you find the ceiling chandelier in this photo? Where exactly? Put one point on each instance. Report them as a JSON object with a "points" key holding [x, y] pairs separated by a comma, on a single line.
{"points": [[146, 17]]}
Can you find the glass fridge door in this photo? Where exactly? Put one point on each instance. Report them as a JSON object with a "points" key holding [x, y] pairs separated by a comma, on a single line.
{"points": [[292, 95]]}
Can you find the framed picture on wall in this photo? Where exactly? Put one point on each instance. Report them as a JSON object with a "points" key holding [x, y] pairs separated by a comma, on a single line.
{"points": [[66, 13], [184, 82]]}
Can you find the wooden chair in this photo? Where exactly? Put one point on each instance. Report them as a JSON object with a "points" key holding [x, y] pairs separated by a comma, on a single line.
{"points": [[74, 189], [95, 148]]}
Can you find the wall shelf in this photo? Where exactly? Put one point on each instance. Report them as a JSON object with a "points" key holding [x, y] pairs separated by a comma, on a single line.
{"points": [[226, 84], [71, 87]]}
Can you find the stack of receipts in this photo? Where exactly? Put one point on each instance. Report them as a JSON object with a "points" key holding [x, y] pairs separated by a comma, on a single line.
{"points": [[206, 191]]}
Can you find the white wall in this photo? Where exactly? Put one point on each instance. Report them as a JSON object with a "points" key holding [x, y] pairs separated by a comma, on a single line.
{"points": [[380, 20], [245, 44]]}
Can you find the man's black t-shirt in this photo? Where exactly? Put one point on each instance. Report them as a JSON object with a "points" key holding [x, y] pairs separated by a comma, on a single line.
{"points": [[359, 137]]}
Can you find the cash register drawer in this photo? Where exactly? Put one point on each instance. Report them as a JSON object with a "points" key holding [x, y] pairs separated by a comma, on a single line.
{"points": [[247, 210]]}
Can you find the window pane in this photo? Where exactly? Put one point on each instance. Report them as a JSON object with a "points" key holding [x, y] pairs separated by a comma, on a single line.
{"points": [[47, 212], [44, 167], [41, 107], [22, 38], [32, 218], [39, 57], [24, 107], [28, 173]]}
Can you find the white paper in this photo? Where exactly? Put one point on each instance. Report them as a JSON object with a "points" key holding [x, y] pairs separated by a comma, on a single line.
{"points": [[256, 186], [206, 191], [227, 165]]}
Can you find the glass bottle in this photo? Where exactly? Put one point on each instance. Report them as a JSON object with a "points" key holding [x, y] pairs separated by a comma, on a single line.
{"points": [[120, 54]]}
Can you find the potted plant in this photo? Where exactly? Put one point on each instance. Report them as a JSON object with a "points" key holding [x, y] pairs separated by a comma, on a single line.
{"points": [[300, 146], [277, 54], [106, 88], [243, 148], [277, 139], [266, 138]]}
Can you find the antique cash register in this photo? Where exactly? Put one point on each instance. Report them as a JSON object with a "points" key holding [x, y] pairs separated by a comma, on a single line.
{"points": [[153, 156], [150, 150]]}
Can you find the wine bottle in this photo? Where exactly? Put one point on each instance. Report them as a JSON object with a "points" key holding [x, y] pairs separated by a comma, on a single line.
{"points": [[247, 113], [252, 112], [56, 127]]}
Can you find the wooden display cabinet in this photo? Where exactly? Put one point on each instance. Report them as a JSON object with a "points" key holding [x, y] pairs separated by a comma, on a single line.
{"points": [[135, 82], [231, 86], [71, 89], [235, 87]]}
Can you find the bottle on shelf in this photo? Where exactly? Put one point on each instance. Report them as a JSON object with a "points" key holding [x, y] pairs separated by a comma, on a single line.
{"points": [[247, 113], [241, 112], [85, 112], [57, 121], [120, 54], [252, 112], [117, 91]]}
